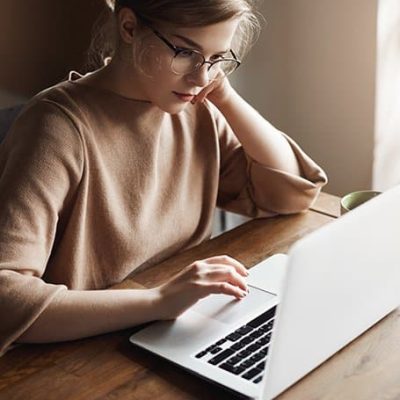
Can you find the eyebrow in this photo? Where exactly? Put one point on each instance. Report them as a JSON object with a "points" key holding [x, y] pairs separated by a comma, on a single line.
{"points": [[192, 43]]}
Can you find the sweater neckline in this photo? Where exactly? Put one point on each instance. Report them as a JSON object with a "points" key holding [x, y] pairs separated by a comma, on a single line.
{"points": [[73, 77]]}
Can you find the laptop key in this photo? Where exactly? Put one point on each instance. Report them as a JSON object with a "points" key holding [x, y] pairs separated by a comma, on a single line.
{"points": [[247, 340], [258, 379], [264, 340], [233, 337], [201, 354], [253, 347], [265, 317], [244, 353], [247, 363], [221, 356], [215, 350], [237, 346], [233, 360], [260, 365], [230, 368], [257, 334], [243, 330], [251, 374], [267, 327], [257, 357]]}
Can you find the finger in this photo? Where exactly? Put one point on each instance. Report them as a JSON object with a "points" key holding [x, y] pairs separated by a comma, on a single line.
{"points": [[223, 288], [227, 273], [227, 260], [208, 89], [202, 95]]}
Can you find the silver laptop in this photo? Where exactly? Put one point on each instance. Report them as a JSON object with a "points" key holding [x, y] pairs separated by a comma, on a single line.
{"points": [[302, 307]]}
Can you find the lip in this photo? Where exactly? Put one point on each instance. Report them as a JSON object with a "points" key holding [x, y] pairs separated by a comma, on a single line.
{"points": [[185, 97]]}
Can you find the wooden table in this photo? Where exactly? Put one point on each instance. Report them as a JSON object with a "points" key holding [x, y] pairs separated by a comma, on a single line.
{"points": [[108, 367]]}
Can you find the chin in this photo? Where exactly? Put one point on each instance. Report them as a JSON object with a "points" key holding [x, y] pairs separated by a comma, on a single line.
{"points": [[172, 108]]}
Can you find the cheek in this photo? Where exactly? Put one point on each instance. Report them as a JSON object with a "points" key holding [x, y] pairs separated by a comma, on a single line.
{"points": [[154, 62]]}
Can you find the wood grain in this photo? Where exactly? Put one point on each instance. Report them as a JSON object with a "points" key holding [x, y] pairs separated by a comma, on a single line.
{"points": [[327, 204]]}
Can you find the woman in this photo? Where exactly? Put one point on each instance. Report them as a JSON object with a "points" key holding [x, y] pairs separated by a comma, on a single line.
{"points": [[109, 173]]}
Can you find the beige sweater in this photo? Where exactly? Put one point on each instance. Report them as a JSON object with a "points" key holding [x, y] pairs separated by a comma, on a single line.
{"points": [[94, 186]]}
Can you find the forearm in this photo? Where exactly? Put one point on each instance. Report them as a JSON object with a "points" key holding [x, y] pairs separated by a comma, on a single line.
{"points": [[76, 314], [261, 140]]}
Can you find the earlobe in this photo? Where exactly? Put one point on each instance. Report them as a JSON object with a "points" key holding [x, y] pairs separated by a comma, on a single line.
{"points": [[127, 23]]}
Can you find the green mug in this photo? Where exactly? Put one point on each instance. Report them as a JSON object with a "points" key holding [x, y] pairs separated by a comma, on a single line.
{"points": [[354, 199]]}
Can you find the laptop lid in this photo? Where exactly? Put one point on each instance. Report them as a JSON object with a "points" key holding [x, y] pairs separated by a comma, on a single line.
{"points": [[341, 279]]}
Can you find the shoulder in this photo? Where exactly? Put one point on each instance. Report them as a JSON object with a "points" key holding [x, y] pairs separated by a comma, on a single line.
{"points": [[48, 111], [46, 125], [64, 98], [64, 109]]}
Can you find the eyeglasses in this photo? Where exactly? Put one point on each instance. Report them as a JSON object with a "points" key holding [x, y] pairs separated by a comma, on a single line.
{"points": [[186, 61]]}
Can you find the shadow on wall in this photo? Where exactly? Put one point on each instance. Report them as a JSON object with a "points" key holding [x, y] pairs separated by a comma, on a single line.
{"points": [[41, 40]]}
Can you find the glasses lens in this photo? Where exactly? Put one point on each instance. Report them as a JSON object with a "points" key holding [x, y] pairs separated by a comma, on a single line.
{"points": [[224, 66], [186, 61]]}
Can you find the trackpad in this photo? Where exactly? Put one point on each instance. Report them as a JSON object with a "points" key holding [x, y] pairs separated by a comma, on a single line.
{"points": [[226, 309]]}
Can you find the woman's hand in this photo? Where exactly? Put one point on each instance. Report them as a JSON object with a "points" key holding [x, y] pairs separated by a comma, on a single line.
{"points": [[221, 274], [218, 91]]}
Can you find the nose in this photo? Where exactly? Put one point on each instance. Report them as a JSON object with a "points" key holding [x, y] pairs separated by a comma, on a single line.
{"points": [[199, 77]]}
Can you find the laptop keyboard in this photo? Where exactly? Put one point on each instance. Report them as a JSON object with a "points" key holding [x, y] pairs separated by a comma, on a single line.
{"points": [[244, 351]]}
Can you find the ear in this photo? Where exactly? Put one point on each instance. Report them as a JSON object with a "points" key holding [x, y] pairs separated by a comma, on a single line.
{"points": [[127, 23]]}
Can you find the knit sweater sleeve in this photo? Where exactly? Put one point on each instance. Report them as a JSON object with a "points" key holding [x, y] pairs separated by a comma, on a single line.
{"points": [[40, 169], [250, 188]]}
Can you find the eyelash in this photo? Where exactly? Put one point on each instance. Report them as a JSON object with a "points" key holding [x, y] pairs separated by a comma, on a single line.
{"points": [[215, 56]]}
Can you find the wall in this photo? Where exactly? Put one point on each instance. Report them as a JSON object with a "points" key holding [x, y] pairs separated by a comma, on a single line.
{"points": [[40, 41], [387, 127], [312, 74]]}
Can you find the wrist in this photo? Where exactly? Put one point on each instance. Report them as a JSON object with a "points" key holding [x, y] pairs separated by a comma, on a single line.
{"points": [[225, 100], [156, 303]]}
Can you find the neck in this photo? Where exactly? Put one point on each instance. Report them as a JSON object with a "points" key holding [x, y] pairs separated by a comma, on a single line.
{"points": [[119, 77]]}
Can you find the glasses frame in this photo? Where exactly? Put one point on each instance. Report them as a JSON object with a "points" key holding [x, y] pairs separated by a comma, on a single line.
{"points": [[177, 50]]}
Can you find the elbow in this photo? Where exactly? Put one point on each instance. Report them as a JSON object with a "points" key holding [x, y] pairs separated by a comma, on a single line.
{"points": [[293, 203], [279, 192]]}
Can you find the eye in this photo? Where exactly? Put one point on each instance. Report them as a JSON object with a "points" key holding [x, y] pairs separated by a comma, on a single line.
{"points": [[217, 57], [186, 53]]}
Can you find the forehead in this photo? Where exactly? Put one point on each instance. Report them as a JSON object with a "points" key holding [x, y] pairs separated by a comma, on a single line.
{"points": [[211, 37]]}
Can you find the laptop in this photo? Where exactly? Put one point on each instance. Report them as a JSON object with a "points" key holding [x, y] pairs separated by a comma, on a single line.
{"points": [[302, 308]]}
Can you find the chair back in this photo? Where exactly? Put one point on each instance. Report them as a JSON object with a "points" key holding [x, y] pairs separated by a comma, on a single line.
{"points": [[7, 117]]}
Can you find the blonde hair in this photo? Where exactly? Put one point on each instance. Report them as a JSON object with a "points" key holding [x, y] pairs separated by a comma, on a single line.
{"points": [[179, 13]]}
